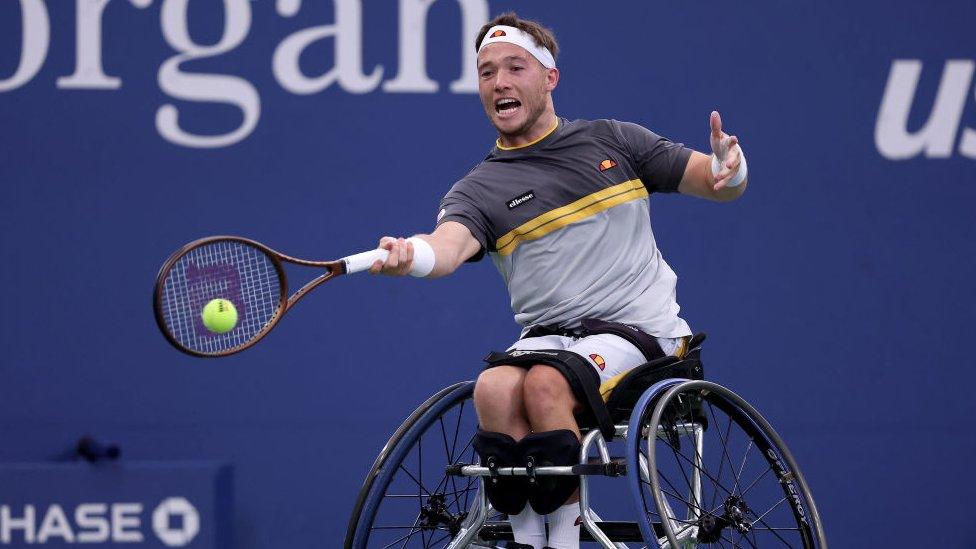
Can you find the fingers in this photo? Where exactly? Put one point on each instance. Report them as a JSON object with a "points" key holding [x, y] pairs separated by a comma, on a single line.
{"points": [[730, 166], [400, 259], [715, 121], [733, 154], [385, 244]]}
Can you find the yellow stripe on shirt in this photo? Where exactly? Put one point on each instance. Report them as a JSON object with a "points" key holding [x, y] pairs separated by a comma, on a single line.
{"points": [[587, 206]]}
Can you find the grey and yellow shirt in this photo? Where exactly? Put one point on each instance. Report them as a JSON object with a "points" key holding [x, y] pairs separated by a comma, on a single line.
{"points": [[566, 221]]}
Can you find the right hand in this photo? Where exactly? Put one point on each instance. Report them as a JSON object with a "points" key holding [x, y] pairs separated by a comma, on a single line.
{"points": [[400, 260]]}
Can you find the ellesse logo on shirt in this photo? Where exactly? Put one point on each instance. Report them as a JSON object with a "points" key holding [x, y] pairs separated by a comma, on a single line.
{"points": [[520, 199]]}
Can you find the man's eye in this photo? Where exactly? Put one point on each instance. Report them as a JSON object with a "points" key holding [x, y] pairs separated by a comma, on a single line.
{"points": [[516, 68]]}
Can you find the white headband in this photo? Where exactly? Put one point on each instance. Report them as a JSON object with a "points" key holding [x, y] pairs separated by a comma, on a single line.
{"points": [[512, 35]]}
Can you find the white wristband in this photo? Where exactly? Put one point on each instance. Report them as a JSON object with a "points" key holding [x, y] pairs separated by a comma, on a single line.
{"points": [[423, 257], [739, 176]]}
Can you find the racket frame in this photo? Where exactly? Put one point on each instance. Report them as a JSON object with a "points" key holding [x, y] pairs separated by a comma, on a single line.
{"points": [[333, 269]]}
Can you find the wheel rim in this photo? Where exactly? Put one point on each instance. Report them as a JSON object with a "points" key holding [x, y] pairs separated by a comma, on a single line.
{"points": [[418, 505], [751, 492]]}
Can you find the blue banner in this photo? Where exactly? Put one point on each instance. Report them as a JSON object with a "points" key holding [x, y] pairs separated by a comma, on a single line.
{"points": [[837, 292], [131, 505]]}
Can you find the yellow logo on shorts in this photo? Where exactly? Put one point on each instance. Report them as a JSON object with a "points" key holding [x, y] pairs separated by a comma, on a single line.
{"points": [[598, 360]]}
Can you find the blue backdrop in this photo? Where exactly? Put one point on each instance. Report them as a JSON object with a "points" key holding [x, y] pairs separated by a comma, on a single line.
{"points": [[838, 292]]}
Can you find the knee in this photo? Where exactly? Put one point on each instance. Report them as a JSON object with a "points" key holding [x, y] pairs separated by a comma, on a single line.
{"points": [[499, 388], [546, 388]]}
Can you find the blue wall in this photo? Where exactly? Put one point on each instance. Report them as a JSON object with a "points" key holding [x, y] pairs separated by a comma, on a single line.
{"points": [[838, 292]]}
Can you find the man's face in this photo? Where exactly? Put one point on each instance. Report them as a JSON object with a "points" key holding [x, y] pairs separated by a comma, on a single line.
{"points": [[514, 87]]}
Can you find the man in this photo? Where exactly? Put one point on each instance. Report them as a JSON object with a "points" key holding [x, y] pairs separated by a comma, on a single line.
{"points": [[562, 209]]}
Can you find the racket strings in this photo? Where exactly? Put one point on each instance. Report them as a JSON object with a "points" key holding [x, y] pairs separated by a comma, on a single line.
{"points": [[230, 270]]}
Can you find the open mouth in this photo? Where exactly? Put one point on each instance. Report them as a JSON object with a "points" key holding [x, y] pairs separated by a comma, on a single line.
{"points": [[507, 106]]}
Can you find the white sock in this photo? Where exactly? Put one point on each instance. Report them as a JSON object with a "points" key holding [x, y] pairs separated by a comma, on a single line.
{"points": [[529, 527], [564, 527]]}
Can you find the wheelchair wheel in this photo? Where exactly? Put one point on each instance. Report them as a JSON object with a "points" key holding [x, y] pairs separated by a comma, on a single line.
{"points": [[407, 501], [706, 468]]}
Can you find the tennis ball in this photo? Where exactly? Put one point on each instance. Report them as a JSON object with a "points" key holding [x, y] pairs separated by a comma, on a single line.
{"points": [[219, 316]]}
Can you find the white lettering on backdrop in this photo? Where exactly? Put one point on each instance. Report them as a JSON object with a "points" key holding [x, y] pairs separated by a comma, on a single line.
{"points": [[180, 84]]}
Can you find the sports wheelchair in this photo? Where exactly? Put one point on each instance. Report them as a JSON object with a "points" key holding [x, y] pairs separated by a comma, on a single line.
{"points": [[702, 466]]}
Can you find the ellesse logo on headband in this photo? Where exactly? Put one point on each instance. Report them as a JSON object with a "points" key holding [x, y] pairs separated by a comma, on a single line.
{"points": [[497, 33]]}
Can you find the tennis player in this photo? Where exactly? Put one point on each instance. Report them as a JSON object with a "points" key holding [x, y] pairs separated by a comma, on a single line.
{"points": [[562, 209]]}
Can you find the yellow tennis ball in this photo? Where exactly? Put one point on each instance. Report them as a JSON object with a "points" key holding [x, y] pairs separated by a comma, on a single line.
{"points": [[219, 316]]}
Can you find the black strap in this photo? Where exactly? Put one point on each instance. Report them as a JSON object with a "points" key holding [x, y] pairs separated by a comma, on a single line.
{"points": [[540, 331], [647, 343], [582, 378]]}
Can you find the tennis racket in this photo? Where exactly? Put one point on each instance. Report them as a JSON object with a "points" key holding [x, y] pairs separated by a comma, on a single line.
{"points": [[248, 274]]}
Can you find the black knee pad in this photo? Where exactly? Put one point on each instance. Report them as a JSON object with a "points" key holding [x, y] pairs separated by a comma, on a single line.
{"points": [[550, 448], [507, 494]]}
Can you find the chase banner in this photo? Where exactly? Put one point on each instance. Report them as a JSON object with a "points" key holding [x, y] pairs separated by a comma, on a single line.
{"points": [[130, 505]]}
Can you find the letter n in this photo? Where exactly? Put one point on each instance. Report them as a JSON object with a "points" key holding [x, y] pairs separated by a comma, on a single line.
{"points": [[412, 71]]}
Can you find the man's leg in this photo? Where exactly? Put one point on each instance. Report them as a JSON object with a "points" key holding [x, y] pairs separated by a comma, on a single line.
{"points": [[500, 407], [498, 401], [551, 406], [549, 401], [498, 395]]}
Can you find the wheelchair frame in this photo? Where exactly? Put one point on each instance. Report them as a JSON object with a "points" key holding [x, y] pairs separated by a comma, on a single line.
{"points": [[698, 522]]}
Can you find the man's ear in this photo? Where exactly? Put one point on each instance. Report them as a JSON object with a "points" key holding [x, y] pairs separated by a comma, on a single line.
{"points": [[552, 78]]}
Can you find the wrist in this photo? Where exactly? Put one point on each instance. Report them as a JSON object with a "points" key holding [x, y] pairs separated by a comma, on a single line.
{"points": [[423, 257], [740, 174]]}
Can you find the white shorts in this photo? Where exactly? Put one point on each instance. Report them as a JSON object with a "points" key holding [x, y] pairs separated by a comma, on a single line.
{"points": [[611, 355]]}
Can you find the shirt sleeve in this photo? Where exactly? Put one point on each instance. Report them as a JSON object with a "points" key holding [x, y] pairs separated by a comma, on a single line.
{"points": [[659, 162], [459, 206]]}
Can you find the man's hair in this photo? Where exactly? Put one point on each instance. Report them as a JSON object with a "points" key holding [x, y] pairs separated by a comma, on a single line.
{"points": [[542, 35]]}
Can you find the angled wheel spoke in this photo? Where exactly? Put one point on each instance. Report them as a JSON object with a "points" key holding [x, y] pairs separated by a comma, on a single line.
{"points": [[403, 539], [420, 486], [702, 470], [770, 510], [775, 531], [673, 493], [760, 477], [725, 448]]}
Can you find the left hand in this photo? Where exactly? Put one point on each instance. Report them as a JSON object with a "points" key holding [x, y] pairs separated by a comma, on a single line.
{"points": [[726, 149]]}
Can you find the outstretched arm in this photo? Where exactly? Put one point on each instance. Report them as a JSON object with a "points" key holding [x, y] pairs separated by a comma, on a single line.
{"points": [[452, 244], [699, 179]]}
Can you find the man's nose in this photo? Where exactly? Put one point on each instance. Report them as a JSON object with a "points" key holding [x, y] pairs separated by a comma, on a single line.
{"points": [[502, 81]]}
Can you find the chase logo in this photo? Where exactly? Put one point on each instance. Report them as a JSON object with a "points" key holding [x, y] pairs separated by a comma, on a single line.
{"points": [[176, 522]]}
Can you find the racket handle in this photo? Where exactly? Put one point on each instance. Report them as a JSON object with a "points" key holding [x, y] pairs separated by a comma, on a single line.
{"points": [[423, 259], [363, 261]]}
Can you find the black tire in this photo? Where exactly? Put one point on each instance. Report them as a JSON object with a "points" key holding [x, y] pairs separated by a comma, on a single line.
{"points": [[752, 492], [407, 498]]}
